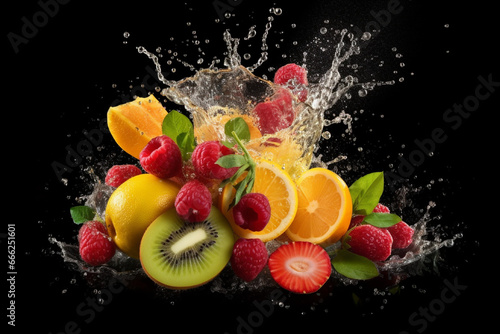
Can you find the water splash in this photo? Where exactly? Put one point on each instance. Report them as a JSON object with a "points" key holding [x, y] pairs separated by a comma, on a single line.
{"points": [[235, 90]]}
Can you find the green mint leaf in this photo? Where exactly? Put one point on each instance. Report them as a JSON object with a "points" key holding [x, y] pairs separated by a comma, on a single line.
{"points": [[240, 189], [239, 126], [180, 129], [228, 144], [366, 193], [354, 266], [380, 219], [185, 141], [246, 164], [81, 214], [231, 160]]}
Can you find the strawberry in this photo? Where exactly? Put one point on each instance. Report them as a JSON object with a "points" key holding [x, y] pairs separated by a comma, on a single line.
{"points": [[96, 247], [249, 258], [300, 266]]}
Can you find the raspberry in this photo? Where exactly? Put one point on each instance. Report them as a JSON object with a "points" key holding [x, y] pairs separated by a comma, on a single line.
{"points": [[193, 202], [249, 258], [161, 157], [252, 212], [402, 235], [204, 157], [276, 114], [96, 247], [120, 173], [356, 220], [294, 77], [371, 242], [381, 208]]}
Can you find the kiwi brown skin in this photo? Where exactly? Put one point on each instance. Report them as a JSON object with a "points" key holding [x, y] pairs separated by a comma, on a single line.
{"points": [[163, 284]]}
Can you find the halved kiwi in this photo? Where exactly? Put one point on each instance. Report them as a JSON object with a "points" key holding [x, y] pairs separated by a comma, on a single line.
{"points": [[182, 255]]}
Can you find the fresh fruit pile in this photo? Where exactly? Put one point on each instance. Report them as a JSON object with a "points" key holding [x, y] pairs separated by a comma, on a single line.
{"points": [[197, 205]]}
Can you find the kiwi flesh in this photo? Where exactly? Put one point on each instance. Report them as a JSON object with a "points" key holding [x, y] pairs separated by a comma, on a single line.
{"points": [[183, 255]]}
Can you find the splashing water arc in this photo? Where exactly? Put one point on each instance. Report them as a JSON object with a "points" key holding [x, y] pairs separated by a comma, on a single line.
{"points": [[234, 91]]}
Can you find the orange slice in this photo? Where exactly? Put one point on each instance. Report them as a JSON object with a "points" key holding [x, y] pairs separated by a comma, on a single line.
{"points": [[324, 209], [281, 192], [135, 123]]}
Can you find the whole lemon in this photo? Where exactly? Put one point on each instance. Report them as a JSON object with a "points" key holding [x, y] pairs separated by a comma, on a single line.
{"points": [[133, 206]]}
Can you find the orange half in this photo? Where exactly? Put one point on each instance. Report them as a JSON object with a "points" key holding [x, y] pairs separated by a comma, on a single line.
{"points": [[135, 123], [324, 209], [281, 192]]}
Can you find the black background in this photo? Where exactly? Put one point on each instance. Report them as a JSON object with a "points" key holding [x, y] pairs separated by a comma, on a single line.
{"points": [[60, 83]]}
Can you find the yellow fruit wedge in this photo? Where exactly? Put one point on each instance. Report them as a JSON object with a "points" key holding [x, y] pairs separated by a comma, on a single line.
{"points": [[281, 192], [135, 123], [324, 209]]}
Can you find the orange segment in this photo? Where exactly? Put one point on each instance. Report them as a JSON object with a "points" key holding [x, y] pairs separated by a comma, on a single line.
{"points": [[135, 123], [281, 192], [324, 209]]}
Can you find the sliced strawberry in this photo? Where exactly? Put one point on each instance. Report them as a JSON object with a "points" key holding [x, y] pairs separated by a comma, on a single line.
{"points": [[300, 266]]}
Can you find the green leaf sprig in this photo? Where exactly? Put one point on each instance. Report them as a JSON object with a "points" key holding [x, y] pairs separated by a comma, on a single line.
{"points": [[237, 132], [365, 194], [81, 214], [180, 129]]}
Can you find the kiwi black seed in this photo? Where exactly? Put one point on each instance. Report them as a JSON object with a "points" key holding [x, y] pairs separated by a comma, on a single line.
{"points": [[183, 255]]}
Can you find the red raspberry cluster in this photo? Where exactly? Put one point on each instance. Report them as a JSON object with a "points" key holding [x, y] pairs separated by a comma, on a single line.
{"points": [[377, 243], [277, 112]]}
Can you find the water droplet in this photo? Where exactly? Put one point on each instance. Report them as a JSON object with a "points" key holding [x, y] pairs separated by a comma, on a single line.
{"points": [[188, 24], [362, 92], [246, 56], [126, 34], [446, 25], [294, 25], [366, 36], [326, 135], [323, 30], [278, 11]]}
